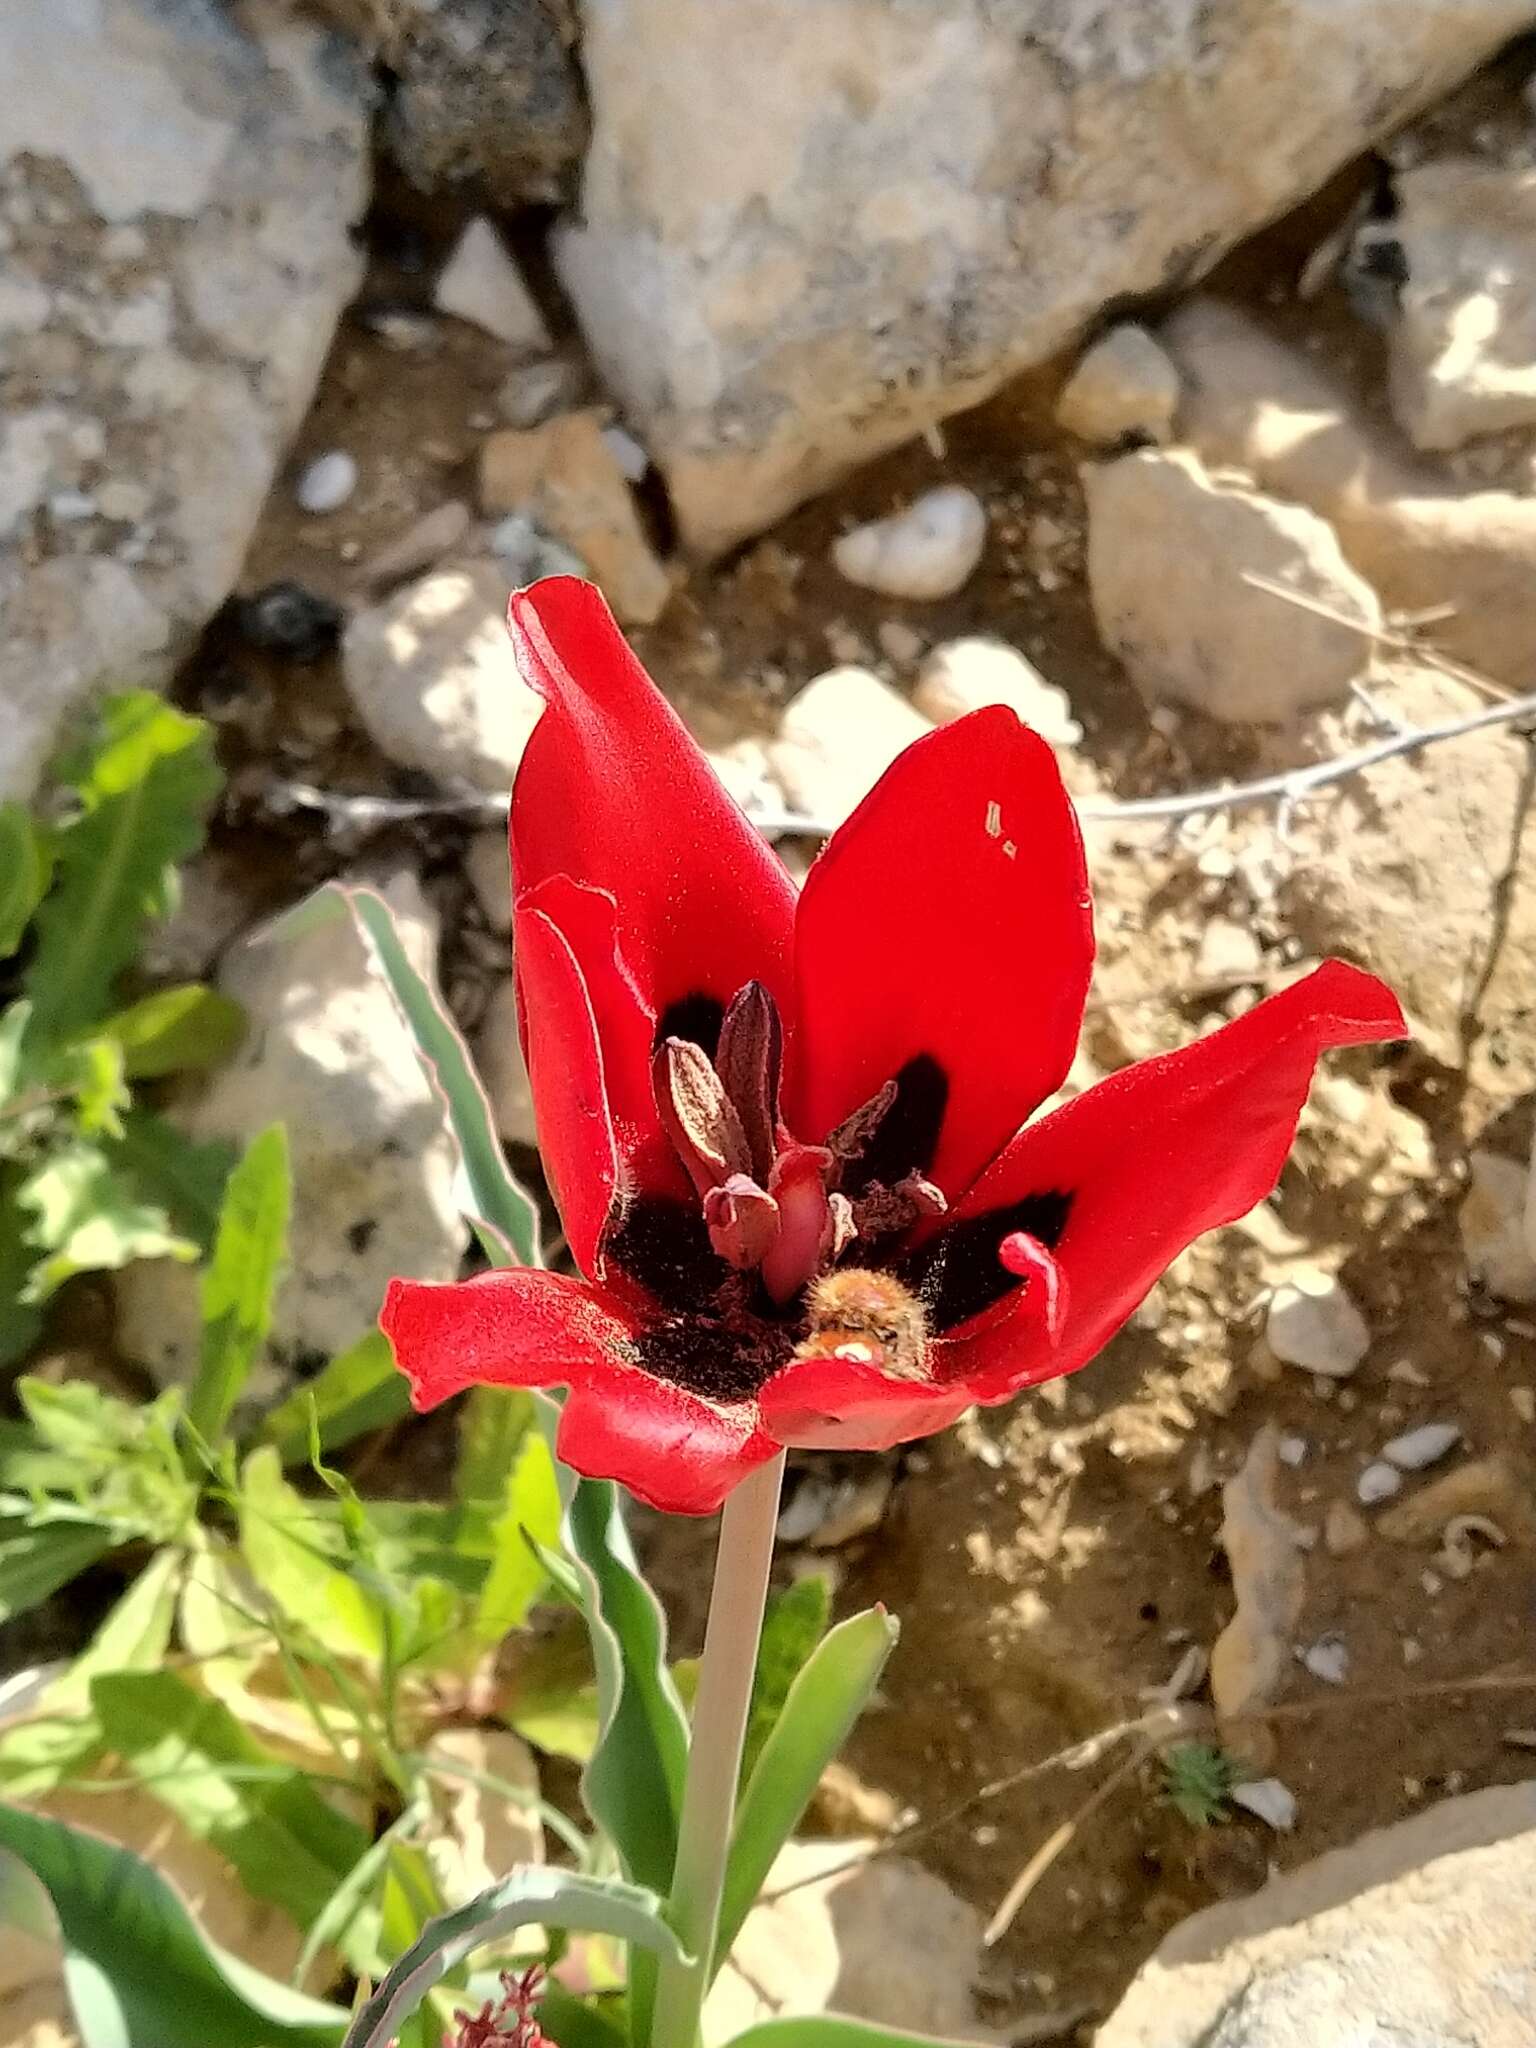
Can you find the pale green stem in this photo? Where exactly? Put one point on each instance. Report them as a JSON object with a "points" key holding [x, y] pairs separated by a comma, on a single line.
{"points": [[731, 1637]]}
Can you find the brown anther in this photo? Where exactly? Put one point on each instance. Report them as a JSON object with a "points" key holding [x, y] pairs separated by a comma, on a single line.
{"points": [[853, 1134], [742, 1220], [843, 1229], [748, 1062], [881, 1210], [697, 1114]]}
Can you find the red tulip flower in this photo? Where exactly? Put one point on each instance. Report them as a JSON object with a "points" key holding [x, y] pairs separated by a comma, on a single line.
{"points": [[790, 1139]]}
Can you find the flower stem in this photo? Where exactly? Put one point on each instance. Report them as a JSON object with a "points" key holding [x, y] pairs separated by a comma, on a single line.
{"points": [[735, 1625]]}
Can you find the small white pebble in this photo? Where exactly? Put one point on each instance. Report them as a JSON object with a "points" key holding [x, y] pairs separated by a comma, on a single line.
{"points": [[1432, 1583], [1378, 1482], [1413, 1650], [1272, 1801], [1407, 1374], [626, 452], [1293, 1450], [1327, 1659], [1426, 1445], [1523, 1401], [68, 506], [327, 483]]}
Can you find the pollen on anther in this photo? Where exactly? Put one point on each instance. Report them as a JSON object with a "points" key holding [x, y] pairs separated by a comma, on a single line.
{"points": [[994, 821], [1010, 849]]}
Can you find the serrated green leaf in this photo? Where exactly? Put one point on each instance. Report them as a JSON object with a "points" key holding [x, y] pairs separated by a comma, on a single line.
{"points": [[239, 1285], [184, 1178], [20, 1322], [287, 1843], [175, 1030], [795, 1623], [359, 1390], [85, 1220], [504, 1215], [139, 1972], [90, 1072], [145, 790], [493, 1423], [530, 1516], [827, 1697], [35, 1562], [25, 866], [534, 1895], [294, 1555]]}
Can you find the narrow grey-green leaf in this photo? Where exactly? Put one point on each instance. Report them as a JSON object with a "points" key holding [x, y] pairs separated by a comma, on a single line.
{"points": [[832, 1690], [139, 1971], [795, 1623], [240, 1283], [359, 1390], [531, 1894], [828, 2030], [504, 1214]]}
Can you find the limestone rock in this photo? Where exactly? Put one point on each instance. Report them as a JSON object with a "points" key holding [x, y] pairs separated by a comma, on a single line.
{"points": [[1125, 389], [487, 865], [534, 392], [804, 235], [839, 736], [1464, 341], [176, 190], [431, 673], [328, 1054], [1171, 547], [964, 675], [883, 1941], [1313, 1323], [925, 551], [1493, 1233], [1406, 1936], [1258, 406], [1250, 1656], [499, 1061], [482, 92], [565, 477], [481, 284]]}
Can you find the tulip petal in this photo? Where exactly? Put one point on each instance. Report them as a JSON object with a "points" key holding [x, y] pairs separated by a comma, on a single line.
{"points": [[524, 1328], [836, 1403], [1132, 1171], [614, 792], [945, 937]]}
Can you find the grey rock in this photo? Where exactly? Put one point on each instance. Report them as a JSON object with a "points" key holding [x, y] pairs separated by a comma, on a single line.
{"points": [[927, 550], [1412, 1936], [483, 90], [1312, 1323], [481, 284], [1172, 549], [328, 1054], [1378, 1482], [327, 483], [488, 868], [499, 1058], [1427, 1445], [839, 735], [527, 553], [535, 392], [177, 185], [1126, 388], [431, 673], [804, 237]]}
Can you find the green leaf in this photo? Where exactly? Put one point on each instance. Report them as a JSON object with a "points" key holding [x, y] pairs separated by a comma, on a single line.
{"points": [[795, 1623], [144, 791], [25, 865], [13, 1031], [826, 2030], [139, 1972], [87, 1220], [183, 1178], [492, 1425], [633, 1786], [293, 1552], [174, 1030], [289, 1846], [35, 1562], [831, 1691], [20, 1322], [530, 1516], [359, 1390], [531, 1894], [505, 1217], [61, 1732], [91, 1072], [240, 1283]]}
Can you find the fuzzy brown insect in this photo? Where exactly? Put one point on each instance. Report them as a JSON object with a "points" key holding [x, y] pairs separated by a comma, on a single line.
{"points": [[868, 1317]]}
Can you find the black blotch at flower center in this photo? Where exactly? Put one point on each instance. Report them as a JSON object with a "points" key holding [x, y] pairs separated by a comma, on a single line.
{"points": [[906, 1138], [958, 1273], [697, 1017]]}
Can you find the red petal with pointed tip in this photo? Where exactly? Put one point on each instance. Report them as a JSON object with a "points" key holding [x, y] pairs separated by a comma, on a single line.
{"points": [[948, 916], [613, 792], [523, 1328], [1154, 1156]]}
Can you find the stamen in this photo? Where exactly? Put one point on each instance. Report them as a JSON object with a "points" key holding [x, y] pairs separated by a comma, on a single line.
{"points": [[748, 1063], [697, 1115], [853, 1134], [742, 1220], [806, 1226]]}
